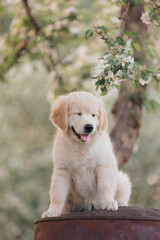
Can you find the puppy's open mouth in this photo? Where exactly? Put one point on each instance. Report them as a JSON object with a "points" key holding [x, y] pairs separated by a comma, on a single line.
{"points": [[82, 137]]}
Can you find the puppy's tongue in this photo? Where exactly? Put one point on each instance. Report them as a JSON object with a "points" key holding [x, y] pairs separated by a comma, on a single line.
{"points": [[85, 138]]}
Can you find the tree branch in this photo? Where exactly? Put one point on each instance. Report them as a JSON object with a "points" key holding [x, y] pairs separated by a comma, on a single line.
{"points": [[22, 46], [37, 28], [18, 53], [123, 20], [32, 19], [101, 35], [156, 6], [124, 16]]}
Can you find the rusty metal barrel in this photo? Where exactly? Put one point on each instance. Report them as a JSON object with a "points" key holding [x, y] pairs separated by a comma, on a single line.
{"points": [[128, 223]]}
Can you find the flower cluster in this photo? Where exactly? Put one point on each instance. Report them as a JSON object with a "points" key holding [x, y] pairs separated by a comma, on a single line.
{"points": [[116, 65], [146, 18]]}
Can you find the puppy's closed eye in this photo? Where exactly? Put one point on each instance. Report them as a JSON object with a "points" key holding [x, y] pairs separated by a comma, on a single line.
{"points": [[79, 113]]}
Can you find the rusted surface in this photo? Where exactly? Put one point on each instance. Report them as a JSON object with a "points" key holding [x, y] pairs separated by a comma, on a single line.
{"points": [[128, 223]]}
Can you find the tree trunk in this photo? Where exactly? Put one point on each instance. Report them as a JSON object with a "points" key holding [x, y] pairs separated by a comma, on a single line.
{"points": [[128, 107]]}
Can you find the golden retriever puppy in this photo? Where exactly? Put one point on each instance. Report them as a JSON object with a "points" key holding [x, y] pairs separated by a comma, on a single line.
{"points": [[85, 173]]}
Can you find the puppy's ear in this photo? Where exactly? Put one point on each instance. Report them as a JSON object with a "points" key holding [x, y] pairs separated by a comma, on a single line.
{"points": [[103, 121], [59, 113]]}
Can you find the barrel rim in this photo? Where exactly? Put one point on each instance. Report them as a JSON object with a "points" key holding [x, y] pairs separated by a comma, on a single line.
{"points": [[123, 213]]}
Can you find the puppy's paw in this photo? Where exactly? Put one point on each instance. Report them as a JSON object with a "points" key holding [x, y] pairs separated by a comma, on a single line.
{"points": [[51, 212], [122, 203], [110, 206]]}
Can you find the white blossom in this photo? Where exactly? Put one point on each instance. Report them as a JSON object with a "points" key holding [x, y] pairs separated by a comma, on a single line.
{"points": [[101, 61], [99, 69], [128, 59], [65, 22], [82, 52], [74, 30], [58, 25], [128, 45], [115, 20], [54, 6], [49, 29], [70, 11], [106, 56], [145, 18], [144, 82], [119, 73], [158, 75], [110, 74]]}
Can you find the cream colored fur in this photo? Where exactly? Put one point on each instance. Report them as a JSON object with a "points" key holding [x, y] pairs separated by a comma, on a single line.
{"points": [[85, 174]]}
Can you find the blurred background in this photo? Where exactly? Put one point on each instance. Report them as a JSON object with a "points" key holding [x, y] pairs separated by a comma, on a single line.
{"points": [[27, 90]]}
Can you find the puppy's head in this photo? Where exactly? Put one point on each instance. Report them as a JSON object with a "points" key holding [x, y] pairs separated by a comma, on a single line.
{"points": [[79, 114]]}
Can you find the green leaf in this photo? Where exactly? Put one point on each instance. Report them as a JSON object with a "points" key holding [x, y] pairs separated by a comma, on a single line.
{"points": [[137, 46], [104, 91], [100, 82], [106, 71], [117, 86], [135, 66], [151, 104], [137, 2], [132, 51], [2, 9], [121, 3], [143, 75], [131, 33], [88, 34], [148, 71], [112, 60], [116, 68], [120, 41], [155, 77], [132, 84], [97, 87], [154, 16], [110, 44], [125, 73], [103, 28]]}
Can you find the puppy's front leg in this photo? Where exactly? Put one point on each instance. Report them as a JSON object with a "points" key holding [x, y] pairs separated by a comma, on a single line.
{"points": [[106, 186], [59, 190]]}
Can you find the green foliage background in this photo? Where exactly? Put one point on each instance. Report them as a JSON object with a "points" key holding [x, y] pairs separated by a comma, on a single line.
{"points": [[26, 134]]}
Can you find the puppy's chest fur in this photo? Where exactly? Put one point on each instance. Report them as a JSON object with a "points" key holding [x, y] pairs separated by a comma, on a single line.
{"points": [[83, 175], [84, 180]]}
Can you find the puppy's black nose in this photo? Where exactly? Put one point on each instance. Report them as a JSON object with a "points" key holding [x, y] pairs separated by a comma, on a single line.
{"points": [[88, 128]]}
